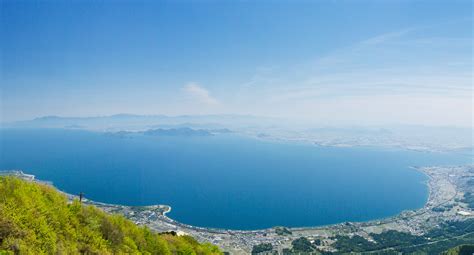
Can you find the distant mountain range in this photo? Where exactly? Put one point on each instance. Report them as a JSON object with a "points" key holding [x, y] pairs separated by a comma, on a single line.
{"points": [[183, 131], [120, 122], [423, 138]]}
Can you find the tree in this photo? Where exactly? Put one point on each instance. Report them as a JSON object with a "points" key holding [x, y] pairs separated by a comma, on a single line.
{"points": [[302, 244], [36, 219], [263, 247]]}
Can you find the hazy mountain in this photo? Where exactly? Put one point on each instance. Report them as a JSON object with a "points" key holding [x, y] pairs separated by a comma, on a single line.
{"points": [[143, 122]]}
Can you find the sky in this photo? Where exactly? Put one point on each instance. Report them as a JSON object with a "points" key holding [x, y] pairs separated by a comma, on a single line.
{"points": [[325, 62]]}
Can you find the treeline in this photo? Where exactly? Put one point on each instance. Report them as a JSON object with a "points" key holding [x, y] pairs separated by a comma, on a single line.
{"points": [[469, 199], [383, 240], [448, 235], [438, 241], [36, 219], [467, 249], [299, 246]]}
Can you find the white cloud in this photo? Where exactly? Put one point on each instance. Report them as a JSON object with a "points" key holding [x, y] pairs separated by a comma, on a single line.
{"points": [[400, 77], [386, 37], [262, 76], [200, 94]]}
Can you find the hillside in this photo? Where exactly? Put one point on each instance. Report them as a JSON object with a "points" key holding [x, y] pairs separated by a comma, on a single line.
{"points": [[467, 249], [37, 219]]}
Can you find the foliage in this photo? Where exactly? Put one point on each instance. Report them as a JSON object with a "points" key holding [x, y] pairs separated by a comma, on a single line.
{"points": [[452, 229], [469, 199], [353, 244], [282, 231], [263, 247], [395, 238], [448, 235], [37, 219], [302, 244], [467, 249]]}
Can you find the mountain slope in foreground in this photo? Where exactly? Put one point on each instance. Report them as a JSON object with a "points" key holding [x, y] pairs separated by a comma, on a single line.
{"points": [[37, 219]]}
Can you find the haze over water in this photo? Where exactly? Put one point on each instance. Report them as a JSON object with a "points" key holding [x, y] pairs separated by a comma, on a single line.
{"points": [[226, 181]]}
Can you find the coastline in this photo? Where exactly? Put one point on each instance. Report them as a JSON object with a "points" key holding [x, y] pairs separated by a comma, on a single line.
{"points": [[444, 190]]}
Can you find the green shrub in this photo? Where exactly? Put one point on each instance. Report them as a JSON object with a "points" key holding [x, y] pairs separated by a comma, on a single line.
{"points": [[37, 219]]}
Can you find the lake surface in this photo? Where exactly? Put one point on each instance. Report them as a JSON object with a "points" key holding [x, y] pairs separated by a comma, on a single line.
{"points": [[226, 181]]}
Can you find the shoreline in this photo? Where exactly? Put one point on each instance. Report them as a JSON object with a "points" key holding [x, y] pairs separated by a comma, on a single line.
{"points": [[30, 177], [443, 192]]}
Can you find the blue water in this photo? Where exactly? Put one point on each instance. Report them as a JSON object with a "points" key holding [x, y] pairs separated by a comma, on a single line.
{"points": [[226, 181]]}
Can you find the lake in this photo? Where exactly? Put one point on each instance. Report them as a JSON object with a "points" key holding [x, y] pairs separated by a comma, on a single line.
{"points": [[226, 181]]}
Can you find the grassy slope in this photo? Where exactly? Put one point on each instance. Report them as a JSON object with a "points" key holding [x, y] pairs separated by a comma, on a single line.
{"points": [[36, 219]]}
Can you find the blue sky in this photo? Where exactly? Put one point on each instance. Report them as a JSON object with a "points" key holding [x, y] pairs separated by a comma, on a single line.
{"points": [[326, 62]]}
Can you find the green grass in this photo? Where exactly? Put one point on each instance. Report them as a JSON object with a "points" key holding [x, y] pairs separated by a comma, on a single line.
{"points": [[37, 219]]}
